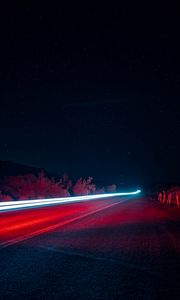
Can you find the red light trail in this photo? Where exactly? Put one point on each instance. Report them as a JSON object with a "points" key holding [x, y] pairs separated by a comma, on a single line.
{"points": [[18, 225]]}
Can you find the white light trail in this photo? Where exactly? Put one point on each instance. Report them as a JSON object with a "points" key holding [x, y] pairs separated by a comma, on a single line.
{"points": [[13, 205]]}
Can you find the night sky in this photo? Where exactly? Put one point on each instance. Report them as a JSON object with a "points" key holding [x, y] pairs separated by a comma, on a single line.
{"points": [[92, 90]]}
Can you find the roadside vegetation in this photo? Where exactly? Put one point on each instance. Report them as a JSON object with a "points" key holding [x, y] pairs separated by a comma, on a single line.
{"points": [[170, 196], [33, 187]]}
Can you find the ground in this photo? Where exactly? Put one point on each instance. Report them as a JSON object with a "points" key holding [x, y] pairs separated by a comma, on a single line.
{"points": [[128, 250]]}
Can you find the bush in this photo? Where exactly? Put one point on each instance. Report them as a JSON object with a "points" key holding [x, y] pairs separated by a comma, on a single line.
{"points": [[111, 188], [32, 187], [100, 190], [4, 197], [84, 187], [170, 197]]}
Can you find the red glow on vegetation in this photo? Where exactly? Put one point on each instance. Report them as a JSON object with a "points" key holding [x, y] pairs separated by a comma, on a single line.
{"points": [[39, 187]]}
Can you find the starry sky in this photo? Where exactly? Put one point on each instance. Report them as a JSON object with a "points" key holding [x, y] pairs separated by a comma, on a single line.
{"points": [[92, 90]]}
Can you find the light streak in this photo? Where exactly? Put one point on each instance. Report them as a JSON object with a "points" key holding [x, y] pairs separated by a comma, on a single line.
{"points": [[53, 227], [13, 205]]}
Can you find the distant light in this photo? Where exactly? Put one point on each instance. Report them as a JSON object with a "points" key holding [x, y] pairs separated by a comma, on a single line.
{"points": [[12, 205]]}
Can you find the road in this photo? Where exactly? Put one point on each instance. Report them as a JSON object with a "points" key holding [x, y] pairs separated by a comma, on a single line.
{"points": [[120, 248]]}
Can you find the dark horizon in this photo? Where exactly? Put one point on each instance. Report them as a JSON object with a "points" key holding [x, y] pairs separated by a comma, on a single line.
{"points": [[92, 92]]}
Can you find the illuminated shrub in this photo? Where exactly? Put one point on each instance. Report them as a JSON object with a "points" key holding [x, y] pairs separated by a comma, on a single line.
{"points": [[38, 187], [111, 188], [4, 197], [170, 197], [32, 187], [84, 187], [66, 182], [100, 190]]}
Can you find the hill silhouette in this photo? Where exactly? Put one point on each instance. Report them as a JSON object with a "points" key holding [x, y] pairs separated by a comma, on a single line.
{"points": [[9, 168]]}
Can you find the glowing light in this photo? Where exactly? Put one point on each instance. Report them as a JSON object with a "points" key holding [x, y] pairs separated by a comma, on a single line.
{"points": [[12, 205]]}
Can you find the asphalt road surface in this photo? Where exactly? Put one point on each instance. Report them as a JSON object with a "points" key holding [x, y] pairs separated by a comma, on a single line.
{"points": [[118, 248]]}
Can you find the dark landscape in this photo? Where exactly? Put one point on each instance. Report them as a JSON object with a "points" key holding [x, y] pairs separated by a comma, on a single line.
{"points": [[90, 150]]}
